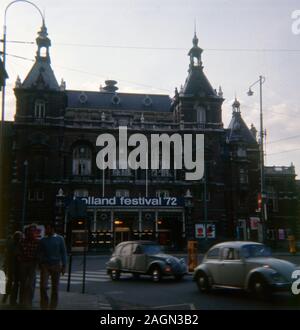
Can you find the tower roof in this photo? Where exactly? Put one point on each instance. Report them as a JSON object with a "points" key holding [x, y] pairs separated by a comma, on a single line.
{"points": [[238, 131], [196, 83], [41, 75]]}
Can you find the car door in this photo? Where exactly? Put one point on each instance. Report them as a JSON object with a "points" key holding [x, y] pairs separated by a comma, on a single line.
{"points": [[212, 262], [232, 267], [138, 259], [125, 256]]}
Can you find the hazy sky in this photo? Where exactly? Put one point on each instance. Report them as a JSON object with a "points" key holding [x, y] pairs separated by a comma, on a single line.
{"points": [[143, 44]]}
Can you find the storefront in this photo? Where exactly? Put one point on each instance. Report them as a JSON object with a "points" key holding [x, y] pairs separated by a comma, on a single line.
{"points": [[114, 220]]}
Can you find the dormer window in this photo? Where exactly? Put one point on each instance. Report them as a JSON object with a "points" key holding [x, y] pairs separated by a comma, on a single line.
{"points": [[40, 109], [201, 115]]}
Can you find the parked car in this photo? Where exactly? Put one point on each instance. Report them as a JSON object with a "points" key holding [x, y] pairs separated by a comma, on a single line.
{"points": [[144, 258], [244, 265]]}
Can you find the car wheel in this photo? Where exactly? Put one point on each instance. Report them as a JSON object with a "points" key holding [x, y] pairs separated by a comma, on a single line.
{"points": [[203, 282], [260, 288], [178, 277], [156, 274], [115, 274]]}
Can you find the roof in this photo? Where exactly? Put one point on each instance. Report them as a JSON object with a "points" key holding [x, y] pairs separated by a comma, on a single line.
{"points": [[239, 131], [41, 74], [236, 244], [121, 101], [197, 84], [280, 170]]}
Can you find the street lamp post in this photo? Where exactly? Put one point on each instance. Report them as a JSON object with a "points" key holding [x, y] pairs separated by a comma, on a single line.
{"points": [[261, 81], [24, 195], [4, 85]]}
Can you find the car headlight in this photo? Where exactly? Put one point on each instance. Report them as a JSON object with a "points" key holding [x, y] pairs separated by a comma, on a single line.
{"points": [[276, 277]]}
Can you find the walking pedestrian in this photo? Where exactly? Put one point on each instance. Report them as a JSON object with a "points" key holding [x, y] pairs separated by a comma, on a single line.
{"points": [[12, 269], [52, 258], [28, 263]]}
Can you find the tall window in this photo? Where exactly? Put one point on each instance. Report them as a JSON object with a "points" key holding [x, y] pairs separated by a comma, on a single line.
{"points": [[82, 160], [243, 175], [201, 115], [162, 193], [39, 109], [81, 193], [122, 193]]}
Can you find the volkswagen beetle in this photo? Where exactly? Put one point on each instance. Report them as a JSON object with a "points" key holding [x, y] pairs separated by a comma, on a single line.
{"points": [[244, 265]]}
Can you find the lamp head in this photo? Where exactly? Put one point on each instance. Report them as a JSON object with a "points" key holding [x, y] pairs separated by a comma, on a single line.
{"points": [[250, 92]]}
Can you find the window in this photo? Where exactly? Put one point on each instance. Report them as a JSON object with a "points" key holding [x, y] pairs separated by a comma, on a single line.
{"points": [[82, 160], [40, 109], [241, 152], [81, 193], [213, 254], [230, 254], [36, 195], [162, 193], [126, 250], [122, 193], [40, 196], [243, 176], [201, 115]]}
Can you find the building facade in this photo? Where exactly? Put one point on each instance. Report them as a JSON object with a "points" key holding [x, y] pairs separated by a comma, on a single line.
{"points": [[54, 160]]}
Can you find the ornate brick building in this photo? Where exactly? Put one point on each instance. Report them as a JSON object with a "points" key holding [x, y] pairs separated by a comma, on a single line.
{"points": [[54, 158]]}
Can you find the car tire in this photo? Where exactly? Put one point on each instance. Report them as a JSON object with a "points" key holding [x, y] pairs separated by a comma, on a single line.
{"points": [[203, 282], [259, 288], [156, 274], [115, 274]]}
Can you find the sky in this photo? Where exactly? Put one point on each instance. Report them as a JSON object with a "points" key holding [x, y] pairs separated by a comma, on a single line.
{"points": [[143, 44]]}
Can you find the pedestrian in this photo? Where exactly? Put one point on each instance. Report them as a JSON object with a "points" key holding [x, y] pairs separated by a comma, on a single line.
{"points": [[12, 269], [52, 258], [28, 254]]}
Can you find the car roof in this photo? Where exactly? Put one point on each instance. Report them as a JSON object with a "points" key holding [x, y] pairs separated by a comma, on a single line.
{"points": [[234, 244], [138, 242]]}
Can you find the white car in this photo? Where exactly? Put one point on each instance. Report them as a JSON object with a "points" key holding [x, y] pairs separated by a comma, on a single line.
{"points": [[244, 265]]}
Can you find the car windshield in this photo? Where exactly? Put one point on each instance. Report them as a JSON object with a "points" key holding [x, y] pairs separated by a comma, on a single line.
{"points": [[256, 251], [152, 249]]}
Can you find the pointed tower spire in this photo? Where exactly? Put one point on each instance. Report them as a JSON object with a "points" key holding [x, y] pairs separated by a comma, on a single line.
{"points": [[195, 52], [236, 106], [43, 43], [41, 75]]}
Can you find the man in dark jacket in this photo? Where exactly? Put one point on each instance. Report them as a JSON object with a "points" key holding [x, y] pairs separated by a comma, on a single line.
{"points": [[28, 262], [52, 259]]}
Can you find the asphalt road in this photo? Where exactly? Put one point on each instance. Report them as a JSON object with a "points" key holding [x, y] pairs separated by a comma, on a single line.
{"points": [[142, 293]]}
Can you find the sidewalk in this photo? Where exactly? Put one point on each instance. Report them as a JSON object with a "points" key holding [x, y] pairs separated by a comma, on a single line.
{"points": [[72, 301]]}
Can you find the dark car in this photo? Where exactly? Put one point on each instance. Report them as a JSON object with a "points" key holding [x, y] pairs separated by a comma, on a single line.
{"points": [[144, 258]]}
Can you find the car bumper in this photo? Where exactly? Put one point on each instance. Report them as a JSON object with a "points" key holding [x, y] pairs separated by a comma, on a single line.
{"points": [[281, 286], [174, 271]]}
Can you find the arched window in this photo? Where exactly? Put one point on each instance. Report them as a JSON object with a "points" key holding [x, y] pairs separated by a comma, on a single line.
{"points": [[82, 160], [39, 109]]}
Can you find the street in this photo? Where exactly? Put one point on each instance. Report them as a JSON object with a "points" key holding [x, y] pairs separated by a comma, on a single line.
{"points": [[142, 293]]}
